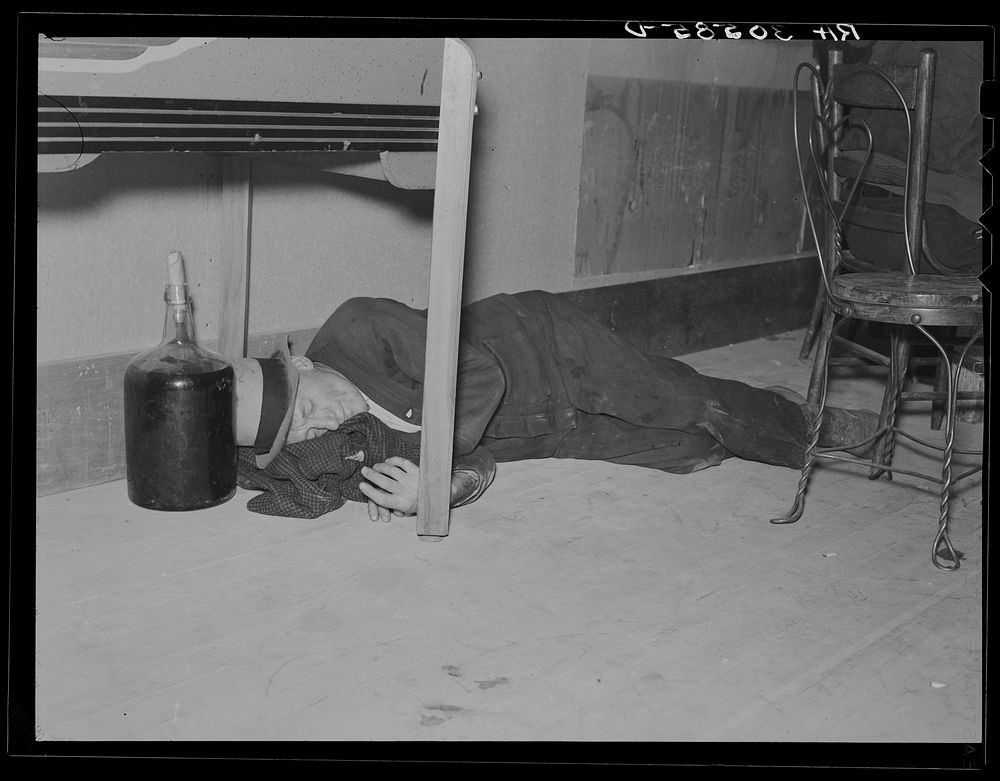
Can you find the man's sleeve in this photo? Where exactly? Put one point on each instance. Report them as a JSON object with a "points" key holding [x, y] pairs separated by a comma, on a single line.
{"points": [[402, 331]]}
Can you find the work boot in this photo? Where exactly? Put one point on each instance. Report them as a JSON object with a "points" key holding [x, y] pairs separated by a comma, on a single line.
{"points": [[471, 476], [841, 427]]}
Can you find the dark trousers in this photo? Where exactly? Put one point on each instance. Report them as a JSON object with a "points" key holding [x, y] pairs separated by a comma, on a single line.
{"points": [[651, 410]]}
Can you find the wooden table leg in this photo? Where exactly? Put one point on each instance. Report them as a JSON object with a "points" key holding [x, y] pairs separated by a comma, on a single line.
{"points": [[451, 199]]}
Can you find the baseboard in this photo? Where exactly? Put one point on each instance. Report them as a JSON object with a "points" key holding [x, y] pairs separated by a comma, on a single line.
{"points": [[79, 430], [691, 312]]}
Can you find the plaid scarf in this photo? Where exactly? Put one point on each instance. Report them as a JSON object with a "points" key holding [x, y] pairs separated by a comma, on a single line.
{"points": [[310, 478]]}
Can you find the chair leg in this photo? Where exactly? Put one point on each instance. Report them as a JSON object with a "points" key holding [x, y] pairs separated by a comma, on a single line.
{"points": [[943, 554], [820, 381], [939, 408], [819, 305], [817, 382], [884, 447], [942, 542]]}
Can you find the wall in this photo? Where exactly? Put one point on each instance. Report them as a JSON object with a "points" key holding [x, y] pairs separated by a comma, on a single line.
{"points": [[526, 164], [319, 238]]}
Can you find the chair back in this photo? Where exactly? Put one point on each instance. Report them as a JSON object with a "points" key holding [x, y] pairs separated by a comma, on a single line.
{"points": [[907, 89], [902, 88], [858, 86]]}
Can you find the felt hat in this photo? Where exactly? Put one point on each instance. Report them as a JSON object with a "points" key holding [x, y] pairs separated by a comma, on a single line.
{"points": [[265, 398]]}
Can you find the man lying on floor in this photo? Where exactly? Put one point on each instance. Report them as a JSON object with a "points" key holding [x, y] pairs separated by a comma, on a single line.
{"points": [[537, 378]]}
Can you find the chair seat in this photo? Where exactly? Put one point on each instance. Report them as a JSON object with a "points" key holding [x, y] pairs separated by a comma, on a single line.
{"points": [[896, 298]]}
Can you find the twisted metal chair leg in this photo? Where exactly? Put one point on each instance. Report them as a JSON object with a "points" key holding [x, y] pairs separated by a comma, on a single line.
{"points": [[885, 446], [799, 503], [942, 541]]}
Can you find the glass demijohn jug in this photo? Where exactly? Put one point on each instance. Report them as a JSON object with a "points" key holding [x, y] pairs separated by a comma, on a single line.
{"points": [[180, 446]]}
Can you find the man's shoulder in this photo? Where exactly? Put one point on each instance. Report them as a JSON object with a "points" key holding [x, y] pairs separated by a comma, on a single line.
{"points": [[367, 307], [345, 328]]}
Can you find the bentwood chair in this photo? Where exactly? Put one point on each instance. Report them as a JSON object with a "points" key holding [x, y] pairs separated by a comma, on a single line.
{"points": [[906, 302], [879, 217]]}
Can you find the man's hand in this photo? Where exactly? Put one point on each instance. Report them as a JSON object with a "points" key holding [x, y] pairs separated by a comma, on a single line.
{"points": [[392, 486]]}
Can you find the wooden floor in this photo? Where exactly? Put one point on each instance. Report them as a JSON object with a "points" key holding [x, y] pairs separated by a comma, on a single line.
{"points": [[576, 601]]}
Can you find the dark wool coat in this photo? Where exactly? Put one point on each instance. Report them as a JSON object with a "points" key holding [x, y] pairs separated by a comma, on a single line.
{"points": [[539, 378]]}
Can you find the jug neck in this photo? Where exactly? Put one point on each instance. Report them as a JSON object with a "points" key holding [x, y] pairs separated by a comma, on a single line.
{"points": [[178, 325]]}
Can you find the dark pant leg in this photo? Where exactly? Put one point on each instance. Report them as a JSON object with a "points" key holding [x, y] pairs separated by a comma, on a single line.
{"points": [[752, 423], [603, 374], [605, 438], [612, 439]]}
